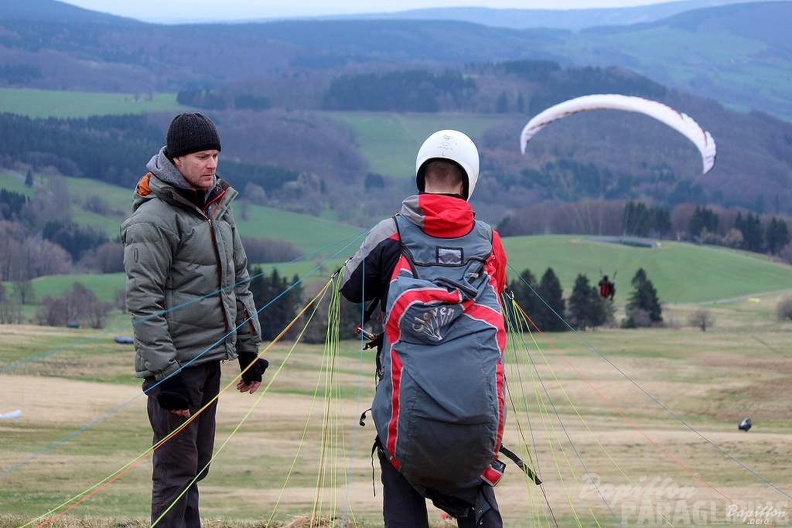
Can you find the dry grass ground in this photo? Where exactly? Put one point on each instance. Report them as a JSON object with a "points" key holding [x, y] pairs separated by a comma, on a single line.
{"points": [[636, 427]]}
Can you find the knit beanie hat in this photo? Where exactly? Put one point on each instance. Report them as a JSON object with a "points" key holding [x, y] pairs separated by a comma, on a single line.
{"points": [[190, 133]]}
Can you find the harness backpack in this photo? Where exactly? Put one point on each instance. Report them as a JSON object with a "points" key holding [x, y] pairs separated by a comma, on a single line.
{"points": [[439, 405], [607, 288]]}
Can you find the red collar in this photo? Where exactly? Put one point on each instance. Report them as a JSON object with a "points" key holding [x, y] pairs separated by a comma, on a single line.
{"points": [[445, 216]]}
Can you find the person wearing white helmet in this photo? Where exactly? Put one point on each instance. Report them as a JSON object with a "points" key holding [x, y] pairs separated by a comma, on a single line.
{"points": [[453, 146], [446, 172]]}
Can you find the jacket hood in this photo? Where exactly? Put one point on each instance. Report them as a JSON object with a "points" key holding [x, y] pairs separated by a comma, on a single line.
{"points": [[164, 180], [439, 215], [164, 169]]}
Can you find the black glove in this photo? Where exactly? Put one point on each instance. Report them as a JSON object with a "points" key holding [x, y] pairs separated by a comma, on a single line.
{"points": [[173, 394], [255, 372]]}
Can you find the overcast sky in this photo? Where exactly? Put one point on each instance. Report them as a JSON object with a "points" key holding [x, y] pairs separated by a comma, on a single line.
{"points": [[207, 10]]}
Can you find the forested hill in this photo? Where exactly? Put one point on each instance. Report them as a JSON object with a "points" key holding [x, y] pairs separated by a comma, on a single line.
{"points": [[746, 63], [289, 96], [54, 11], [311, 158], [737, 54], [768, 24]]}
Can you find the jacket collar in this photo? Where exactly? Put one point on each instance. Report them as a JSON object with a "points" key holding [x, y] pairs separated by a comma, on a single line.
{"points": [[217, 199], [439, 215]]}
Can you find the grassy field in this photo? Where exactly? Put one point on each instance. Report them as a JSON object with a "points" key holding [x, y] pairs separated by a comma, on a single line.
{"points": [[51, 103], [616, 408], [308, 233], [117, 200], [681, 273], [384, 137], [649, 415]]}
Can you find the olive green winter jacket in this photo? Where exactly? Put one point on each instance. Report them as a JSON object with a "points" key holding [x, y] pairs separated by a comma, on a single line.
{"points": [[187, 280]]}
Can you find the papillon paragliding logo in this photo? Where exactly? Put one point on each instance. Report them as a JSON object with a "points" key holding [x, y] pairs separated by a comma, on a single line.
{"points": [[680, 122], [430, 322]]}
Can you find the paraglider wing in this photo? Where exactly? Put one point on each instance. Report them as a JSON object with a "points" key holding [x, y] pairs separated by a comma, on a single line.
{"points": [[680, 122]]}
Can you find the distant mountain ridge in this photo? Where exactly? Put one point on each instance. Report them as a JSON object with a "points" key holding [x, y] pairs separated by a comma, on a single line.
{"points": [[516, 18], [740, 54], [54, 11], [736, 53], [767, 23], [570, 19]]}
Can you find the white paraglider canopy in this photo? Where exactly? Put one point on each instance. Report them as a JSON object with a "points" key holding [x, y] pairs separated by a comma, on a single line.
{"points": [[680, 122]]}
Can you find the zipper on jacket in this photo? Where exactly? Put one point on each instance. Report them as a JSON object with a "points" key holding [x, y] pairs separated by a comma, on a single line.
{"points": [[219, 273], [217, 198], [204, 212]]}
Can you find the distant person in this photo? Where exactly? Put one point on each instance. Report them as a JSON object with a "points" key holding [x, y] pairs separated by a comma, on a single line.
{"points": [[438, 273], [607, 288], [188, 293]]}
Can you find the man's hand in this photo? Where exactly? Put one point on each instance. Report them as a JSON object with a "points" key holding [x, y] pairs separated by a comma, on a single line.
{"points": [[173, 395], [252, 368], [251, 387]]}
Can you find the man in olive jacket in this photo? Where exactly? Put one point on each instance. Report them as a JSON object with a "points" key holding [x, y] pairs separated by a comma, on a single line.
{"points": [[188, 293]]}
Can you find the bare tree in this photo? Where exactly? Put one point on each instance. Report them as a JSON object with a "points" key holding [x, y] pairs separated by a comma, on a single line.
{"points": [[78, 305], [96, 313], [11, 237], [10, 312], [109, 258], [733, 238], [23, 292], [23, 257], [48, 204], [701, 318], [784, 309], [786, 253], [120, 300], [261, 250], [37, 258], [52, 312], [254, 194], [97, 204]]}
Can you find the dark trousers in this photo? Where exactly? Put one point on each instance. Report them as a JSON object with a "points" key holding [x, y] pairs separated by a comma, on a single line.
{"points": [[404, 507], [180, 459]]}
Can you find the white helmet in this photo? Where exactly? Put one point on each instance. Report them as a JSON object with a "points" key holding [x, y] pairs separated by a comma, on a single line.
{"points": [[454, 146]]}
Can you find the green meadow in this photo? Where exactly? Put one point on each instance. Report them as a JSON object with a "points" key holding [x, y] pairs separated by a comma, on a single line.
{"points": [[681, 273], [14, 182], [63, 104], [385, 136], [307, 233]]}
